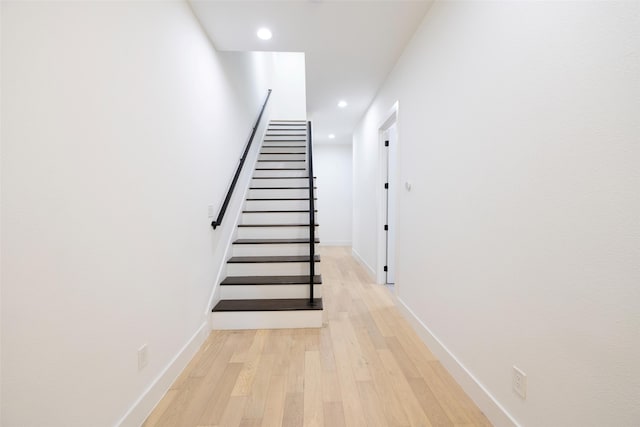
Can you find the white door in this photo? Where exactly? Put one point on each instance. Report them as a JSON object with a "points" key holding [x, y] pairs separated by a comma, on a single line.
{"points": [[391, 147]]}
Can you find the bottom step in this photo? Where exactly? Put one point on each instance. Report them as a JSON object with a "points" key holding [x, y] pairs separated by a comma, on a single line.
{"points": [[267, 314]]}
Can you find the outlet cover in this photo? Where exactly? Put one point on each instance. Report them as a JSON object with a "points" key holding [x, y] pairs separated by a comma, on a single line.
{"points": [[143, 357], [519, 382]]}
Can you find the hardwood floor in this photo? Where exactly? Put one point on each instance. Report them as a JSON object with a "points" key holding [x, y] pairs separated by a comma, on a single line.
{"points": [[365, 367]]}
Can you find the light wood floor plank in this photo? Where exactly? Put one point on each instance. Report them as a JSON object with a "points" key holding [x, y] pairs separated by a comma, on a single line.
{"points": [[274, 406], [313, 408], [333, 414], [365, 367]]}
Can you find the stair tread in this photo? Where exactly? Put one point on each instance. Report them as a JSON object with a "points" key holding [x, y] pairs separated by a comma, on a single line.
{"points": [[283, 160], [281, 169], [271, 241], [288, 304], [283, 146], [287, 153], [277, 200], [280, 188], [279, 211], [271, 259], [270, 280], [274, 225], [283, 177]]}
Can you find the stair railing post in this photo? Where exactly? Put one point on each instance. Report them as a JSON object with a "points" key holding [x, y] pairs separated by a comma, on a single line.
{"points": [[312, 219]]}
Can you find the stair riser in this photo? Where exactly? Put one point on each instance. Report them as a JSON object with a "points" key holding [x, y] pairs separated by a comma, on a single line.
{"points": [[288, 182], [286, 128], [278, 194], [283, 142], [284, 150], [281, 165], [274, 232], [270, 269], [290, 174], [269, 291], [282, 156], [275, 218], [272, 249], [265, 205], [266, 319]]}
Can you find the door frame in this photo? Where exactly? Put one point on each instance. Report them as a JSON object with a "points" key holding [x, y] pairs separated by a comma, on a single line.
{"points": [[391, 118]]}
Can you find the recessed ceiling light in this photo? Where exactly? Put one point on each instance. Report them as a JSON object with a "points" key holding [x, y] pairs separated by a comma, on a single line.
{"points": [[264, 33], [332, 136], [342, 104]]}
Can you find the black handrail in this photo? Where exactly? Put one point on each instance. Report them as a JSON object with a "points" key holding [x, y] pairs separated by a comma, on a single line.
{"points": [[232, 187], [312, 217]]}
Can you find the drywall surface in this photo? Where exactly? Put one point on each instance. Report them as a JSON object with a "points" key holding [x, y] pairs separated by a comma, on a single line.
{"points": [[120, 125], [289, 86], [519, 242], [332, 166], [284, 72]]}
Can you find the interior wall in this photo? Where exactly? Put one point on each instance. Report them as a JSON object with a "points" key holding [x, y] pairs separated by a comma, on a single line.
{"points": [[290, 100], [284, 72], [332, 166], [519, 241], [118, 124]]}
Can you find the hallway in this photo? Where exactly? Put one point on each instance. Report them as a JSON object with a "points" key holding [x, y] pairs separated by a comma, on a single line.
{"points": [[365, 367]]}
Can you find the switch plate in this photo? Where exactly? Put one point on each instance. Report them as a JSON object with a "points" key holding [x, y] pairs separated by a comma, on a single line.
{"points": [[210, 212], [143, 357], [519, 382]]}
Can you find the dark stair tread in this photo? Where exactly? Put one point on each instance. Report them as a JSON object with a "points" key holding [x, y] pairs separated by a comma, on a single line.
{"points": [[291, 304], [280, 188], [275, 225], [281, 211], [282, 160], [282, 146], [288, 153], [293, 198], [271, 259], [281, 169], [283, 177], [270, 280], [271, 241]]}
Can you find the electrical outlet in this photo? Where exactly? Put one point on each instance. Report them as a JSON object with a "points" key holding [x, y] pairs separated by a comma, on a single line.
{"points": [[210, 211], [519, 382], [143, 357]]}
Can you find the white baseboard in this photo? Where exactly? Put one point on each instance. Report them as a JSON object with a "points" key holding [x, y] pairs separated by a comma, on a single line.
{"points": [[367, 267], [140, 410], [488, 404], [335, 243]]}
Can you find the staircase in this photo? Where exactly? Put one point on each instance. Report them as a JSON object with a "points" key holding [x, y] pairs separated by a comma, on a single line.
{"points": [[268, 275]]}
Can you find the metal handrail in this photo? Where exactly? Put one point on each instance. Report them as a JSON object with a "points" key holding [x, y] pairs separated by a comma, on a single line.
{"points": [[232, 187], [312, 215]]}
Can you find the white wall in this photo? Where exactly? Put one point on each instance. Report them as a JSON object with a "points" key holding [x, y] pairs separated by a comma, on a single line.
{"points": [[120, 125], [284, 72], [519, 126], [289, 86], [332, 167]]}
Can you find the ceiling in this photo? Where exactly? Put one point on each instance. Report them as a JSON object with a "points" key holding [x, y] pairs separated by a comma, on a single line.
{"points": [[349, 46]]}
